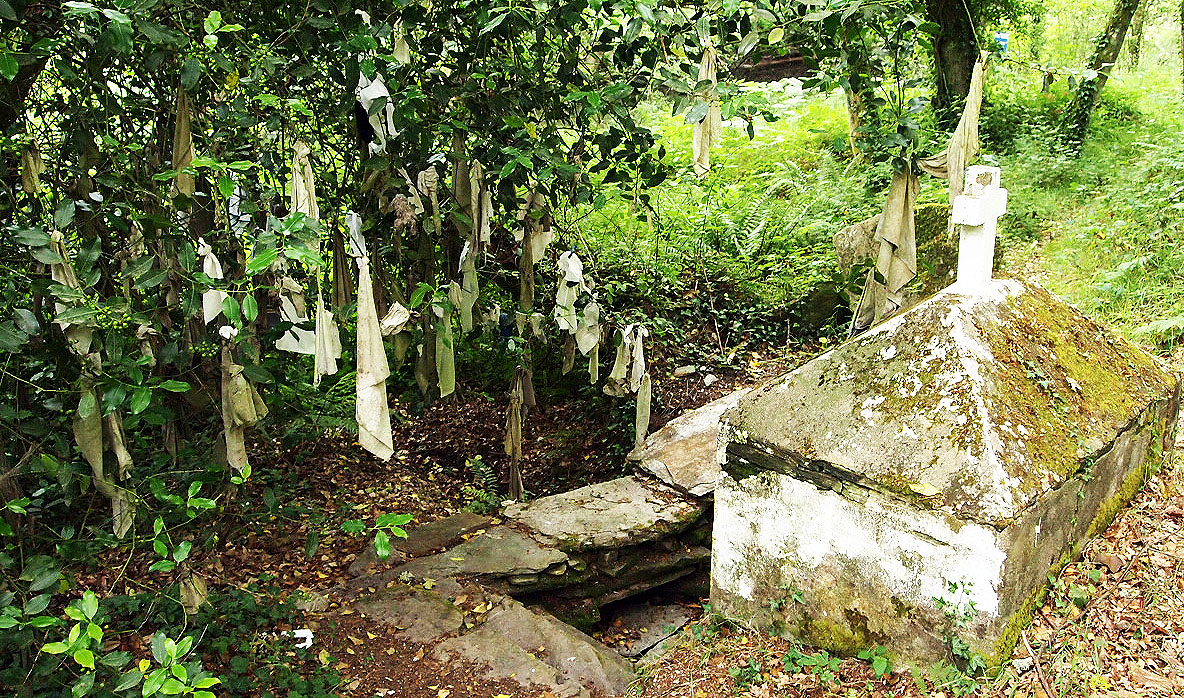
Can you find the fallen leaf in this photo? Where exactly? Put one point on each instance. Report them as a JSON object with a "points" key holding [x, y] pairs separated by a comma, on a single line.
{"points": [[924, 489]]}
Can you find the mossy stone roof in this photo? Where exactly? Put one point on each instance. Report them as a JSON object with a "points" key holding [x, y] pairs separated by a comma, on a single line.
{"points": [[973, 405]]}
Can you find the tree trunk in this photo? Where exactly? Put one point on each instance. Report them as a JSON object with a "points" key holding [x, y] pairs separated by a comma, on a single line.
{"points": [[1135, 42], [955, 48], [1085, 97]]}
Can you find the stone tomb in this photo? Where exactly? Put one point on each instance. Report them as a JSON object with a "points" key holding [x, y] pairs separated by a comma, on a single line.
{"points": [[975, 440], [959, 451]]}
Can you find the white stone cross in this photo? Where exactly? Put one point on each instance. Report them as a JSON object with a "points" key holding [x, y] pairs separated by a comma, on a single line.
{"points": [[976, 211]]}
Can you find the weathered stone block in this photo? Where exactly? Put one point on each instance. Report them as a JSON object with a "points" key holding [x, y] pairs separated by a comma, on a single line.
{"points": [[857, 244], [975, 441], [682, 453]]}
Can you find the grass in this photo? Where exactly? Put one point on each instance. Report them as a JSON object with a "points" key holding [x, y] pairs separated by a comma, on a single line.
{"points": [[1112, 221]]}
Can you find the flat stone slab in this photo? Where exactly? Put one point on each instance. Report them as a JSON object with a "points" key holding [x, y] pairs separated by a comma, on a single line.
{"points": [[654, 623], [682, 454], [505, 660], [625, 511], [498, 552], [422, 540], [422, 615], [577, 656]]}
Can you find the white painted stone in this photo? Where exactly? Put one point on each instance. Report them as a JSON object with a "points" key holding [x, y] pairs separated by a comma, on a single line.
{"points": [[925, 452]]}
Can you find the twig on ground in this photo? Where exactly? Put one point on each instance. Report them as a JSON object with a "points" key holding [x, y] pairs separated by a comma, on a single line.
{"points": [[1036, 664]]}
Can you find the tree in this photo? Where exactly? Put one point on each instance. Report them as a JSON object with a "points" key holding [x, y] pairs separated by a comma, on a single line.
{"points": [[955, 48], [965, 27], [1135, 42], [1107, 47]]}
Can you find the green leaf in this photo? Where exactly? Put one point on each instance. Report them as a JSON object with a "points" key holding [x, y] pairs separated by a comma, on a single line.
{"points": [[129, 679], [84, 684], [155, 679], [76, 315], [749, 42], [46, 255], [207, 682], [8, 66], [85, 658], [80, 8], [418, 295], [261, 261], [697, 112], [64, 214], [44, 622], [159, 651], [90, 604], [116, 660], [392, 519], [181, 552], [213, 22], [55, 648], [258, 374], [382, 544], [305, 256], [230, 309], [152, 279], [225, 186], [250, 308], [37, 604], [494, 23], [31, 237], [87, 405], [174, 386], [190, 73], [6, 11], [45, 580], [140, 400]]}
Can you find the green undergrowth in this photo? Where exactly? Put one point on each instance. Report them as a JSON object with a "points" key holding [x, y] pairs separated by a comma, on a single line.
{"points": [[1111, 222]]}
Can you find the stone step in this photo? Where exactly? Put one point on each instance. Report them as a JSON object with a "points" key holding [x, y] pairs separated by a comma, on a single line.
{"points": [[626, 511], [508, 639], [420, 541]]}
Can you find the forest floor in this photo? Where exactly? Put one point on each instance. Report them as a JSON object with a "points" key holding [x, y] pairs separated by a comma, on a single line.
{"points": [[1113, 624]]}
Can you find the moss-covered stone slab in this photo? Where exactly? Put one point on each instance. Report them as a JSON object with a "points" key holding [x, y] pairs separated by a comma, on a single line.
{"points": [[973, 441], [421, 615], [625, 511]]}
